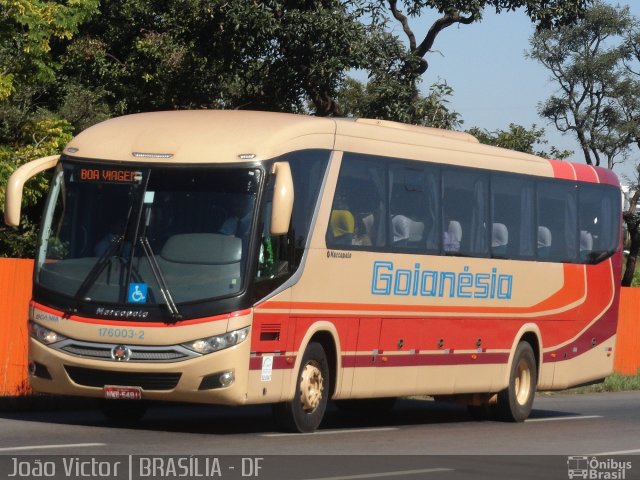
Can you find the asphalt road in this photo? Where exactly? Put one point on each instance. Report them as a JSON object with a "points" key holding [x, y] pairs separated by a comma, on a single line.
{"points": [[435, 440]]}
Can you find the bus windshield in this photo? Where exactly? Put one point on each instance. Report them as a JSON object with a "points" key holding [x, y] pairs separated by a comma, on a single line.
{"points": [[147, 235]]}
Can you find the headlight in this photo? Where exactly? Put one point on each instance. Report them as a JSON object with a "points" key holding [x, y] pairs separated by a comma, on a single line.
{"points": [[219, 342], [44, 335]]}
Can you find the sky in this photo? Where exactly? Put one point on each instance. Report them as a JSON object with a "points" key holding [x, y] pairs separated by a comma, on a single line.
{"points": [[494, 83]]}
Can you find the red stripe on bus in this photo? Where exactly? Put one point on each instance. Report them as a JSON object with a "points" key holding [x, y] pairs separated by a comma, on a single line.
{"points": [[422, 359], [562, 170], [280, 362], [182, 323], [585, 173], [607, 176]]}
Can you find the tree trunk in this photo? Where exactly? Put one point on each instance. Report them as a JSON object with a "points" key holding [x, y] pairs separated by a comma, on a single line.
{"points": [[632, 219], [630, 266]]}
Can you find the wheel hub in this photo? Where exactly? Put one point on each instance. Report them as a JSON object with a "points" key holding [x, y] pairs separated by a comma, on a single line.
{"points": [[523, 382], [311, 386]]}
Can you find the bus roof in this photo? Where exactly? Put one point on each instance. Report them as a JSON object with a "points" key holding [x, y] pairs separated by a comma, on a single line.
{"points": [[231, 136]]}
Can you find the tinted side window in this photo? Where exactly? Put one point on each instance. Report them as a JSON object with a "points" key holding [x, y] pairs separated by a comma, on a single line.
{"points": [[599, 224], [359, 209], [307, 169], [414, 207], [512, 216], [280, 255], [465, 204], [557, 222]]}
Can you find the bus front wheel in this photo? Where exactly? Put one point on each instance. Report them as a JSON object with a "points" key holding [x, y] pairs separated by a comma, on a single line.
{"points": [[515, 402], [304, 413]]}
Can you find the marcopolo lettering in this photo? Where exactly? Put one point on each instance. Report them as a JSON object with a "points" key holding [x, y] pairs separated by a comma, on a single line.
{"points": [[419, 282]]}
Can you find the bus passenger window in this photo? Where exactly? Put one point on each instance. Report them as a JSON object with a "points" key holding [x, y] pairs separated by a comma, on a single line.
{"points": [[513, 207], [465, 202], [599, 230], [357, 212], [557, 221], [414, 208]]}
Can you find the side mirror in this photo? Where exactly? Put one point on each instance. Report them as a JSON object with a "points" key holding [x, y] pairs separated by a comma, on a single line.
{"points": [[282, 199], [13, 194]]}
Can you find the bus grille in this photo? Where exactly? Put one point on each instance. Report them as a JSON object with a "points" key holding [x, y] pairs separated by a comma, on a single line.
{"points": [[139, 353], [90, 377]]}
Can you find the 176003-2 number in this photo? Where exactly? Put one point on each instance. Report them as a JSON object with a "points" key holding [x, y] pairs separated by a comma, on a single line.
{"points": [[121, 333]]}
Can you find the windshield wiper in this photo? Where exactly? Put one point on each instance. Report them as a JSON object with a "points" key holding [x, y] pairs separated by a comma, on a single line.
{"points": [[95, 272], [162, 283]]}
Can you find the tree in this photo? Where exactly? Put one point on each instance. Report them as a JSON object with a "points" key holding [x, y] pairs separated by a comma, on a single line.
{"points": [[28, 29], [376, 100], [268, 55], [28, 34], [587, 64], [411, 62], [72, 64], [594, 64], [48, 135], [520, 139], [631, 218]]}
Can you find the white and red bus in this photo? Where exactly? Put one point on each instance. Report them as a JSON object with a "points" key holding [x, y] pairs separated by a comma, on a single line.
{"points": [[234, 257]]}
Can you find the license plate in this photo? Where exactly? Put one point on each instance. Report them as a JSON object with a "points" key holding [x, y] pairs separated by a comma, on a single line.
{"points": [[114, 392]]}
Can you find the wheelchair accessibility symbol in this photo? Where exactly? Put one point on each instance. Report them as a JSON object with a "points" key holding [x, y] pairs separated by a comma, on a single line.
{"points": [[137, 293]]}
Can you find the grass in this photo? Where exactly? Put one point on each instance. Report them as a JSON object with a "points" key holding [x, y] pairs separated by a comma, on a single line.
{"points": [[613, 383]]}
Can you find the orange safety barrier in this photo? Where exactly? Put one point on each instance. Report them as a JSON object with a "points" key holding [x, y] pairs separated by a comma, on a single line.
{"points": [[15, 293], [627, 355]]}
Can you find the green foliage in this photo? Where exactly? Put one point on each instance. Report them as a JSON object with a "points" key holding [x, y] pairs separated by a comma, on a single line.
{"points": [[613, 383], [598, 97], [67, 65], [48, 136], [520, 139], [412, 63], [377, 99], [544, 13], [28, 29], [270, 55], [42, 136]]}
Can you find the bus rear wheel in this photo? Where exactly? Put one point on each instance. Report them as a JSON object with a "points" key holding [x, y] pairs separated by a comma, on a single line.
{"points": [[304, 413], [516, 401]]}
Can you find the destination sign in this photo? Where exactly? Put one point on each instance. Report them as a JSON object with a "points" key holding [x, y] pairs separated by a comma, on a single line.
{"points": [[108, 175]]}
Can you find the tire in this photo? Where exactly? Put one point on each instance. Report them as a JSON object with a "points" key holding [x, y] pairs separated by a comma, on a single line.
{"points": [[304, 413], [123, 412], [515, 402], [366, 406]]}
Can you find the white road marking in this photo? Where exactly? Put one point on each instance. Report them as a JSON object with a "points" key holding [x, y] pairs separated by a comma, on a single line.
{"points": [[560, 419], [621, 452], [386, 474], [331, 432], [45, 447]]}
